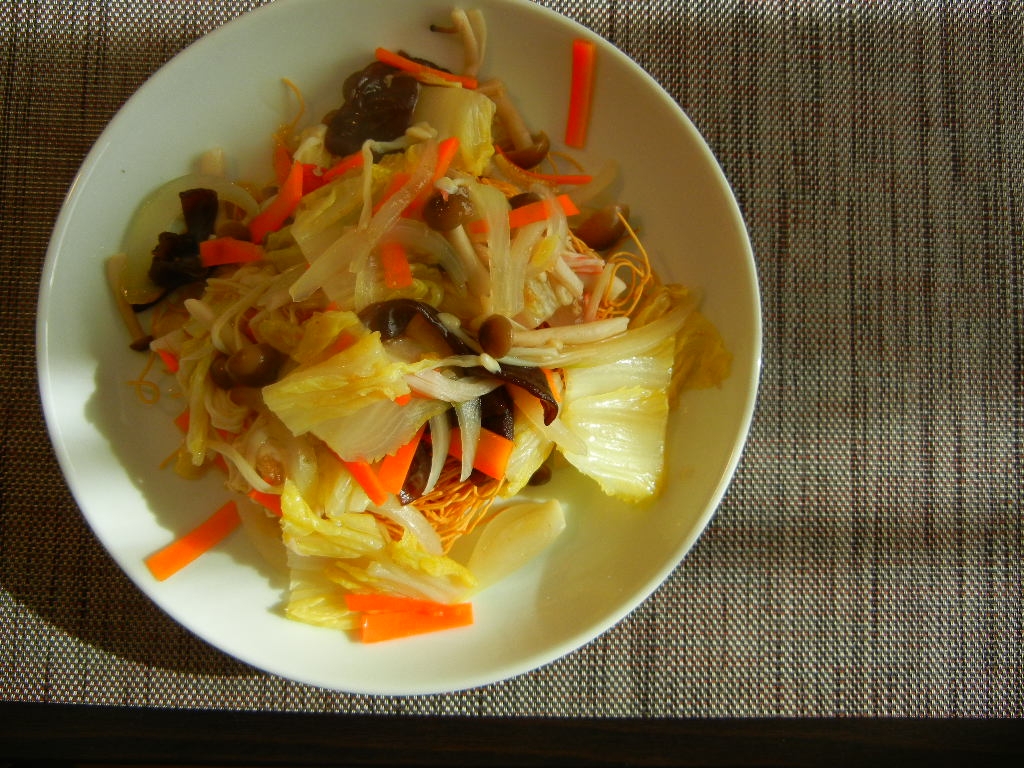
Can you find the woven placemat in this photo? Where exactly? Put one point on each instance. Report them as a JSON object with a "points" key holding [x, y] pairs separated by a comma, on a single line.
{"points": [[867, 558]]}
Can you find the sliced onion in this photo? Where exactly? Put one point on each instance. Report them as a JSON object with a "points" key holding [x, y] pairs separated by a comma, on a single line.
{"points": [[354, 243], [468, 414], [597, 186], [414, 522], [418, 238], [440, 441], [161, 212], [435, 384]]}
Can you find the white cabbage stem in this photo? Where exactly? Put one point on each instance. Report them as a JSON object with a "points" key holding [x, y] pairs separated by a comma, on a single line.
{"points": [[418, 585]]}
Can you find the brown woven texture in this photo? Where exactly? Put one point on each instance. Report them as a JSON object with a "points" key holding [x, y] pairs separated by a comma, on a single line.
{"points": [[867, 558]]}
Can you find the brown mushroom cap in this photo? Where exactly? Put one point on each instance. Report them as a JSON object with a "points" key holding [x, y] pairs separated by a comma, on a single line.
{"points": [[531, 156], [254, 365], [219, 372], [603, 228], [523, 198], [445, 212], [495, 336]]}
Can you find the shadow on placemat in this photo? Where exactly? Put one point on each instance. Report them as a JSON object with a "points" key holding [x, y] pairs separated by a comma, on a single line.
{"points": [[65, 606], [70, 601]]}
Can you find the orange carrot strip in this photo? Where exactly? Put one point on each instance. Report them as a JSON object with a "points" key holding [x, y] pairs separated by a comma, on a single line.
{"points": [[420, 71], [554, 382], [342, 342], [581, 92], [365, 602], [228, 250], [554, 178], [394, 467], [404, 399], [530, 213], [347, 163], [397, 272], [390, 625], [492, 452], [181, 421], [204, 537], [272, 218], [539, 211], [446, 151], [269, 501], [282, 162], [170, 361], [367, 478], [312, 179]]}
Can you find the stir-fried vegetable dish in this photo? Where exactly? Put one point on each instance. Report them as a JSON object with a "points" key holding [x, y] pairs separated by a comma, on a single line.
{"points": [[425, 310]]}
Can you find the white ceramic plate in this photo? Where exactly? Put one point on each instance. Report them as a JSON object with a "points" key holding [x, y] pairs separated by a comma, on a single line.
{"points": [[226, 91]]}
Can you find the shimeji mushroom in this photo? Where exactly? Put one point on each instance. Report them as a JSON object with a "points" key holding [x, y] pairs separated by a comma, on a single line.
{"points": [[446, 212], [499, 336]]}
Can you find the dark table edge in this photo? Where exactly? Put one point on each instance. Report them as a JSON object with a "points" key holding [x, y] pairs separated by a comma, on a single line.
{"points": [[33, 734]]}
